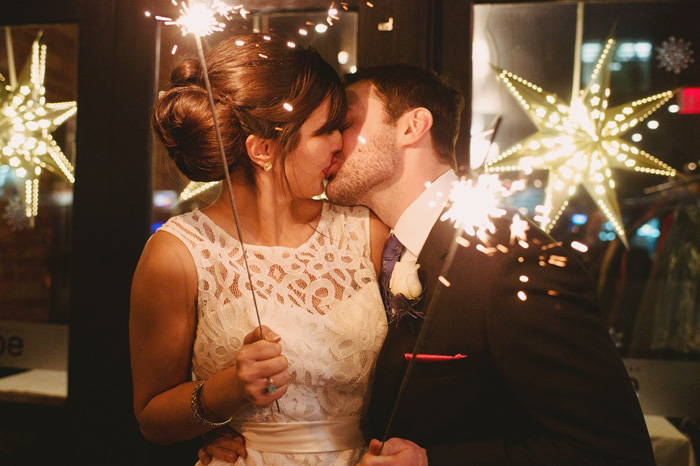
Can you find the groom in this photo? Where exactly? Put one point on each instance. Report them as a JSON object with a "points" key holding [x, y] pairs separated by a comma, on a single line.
{"points": [[516, 367]]}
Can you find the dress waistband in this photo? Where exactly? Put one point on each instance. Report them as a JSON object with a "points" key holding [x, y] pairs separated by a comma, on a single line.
{"points": [[302, 437]]}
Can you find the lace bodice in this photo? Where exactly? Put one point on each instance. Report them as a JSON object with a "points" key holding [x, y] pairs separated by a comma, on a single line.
{"points": [[321, 298]]}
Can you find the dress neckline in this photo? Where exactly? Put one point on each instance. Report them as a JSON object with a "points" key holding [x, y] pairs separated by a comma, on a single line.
{"points": [[317, 231]]}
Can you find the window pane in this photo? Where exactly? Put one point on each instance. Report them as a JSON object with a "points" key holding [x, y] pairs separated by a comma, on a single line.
{"points": [[38, 103], [650, 291], [37, 155]]}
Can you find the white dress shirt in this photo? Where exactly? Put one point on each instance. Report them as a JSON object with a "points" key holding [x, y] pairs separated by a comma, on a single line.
{"points": [[415, 223]]}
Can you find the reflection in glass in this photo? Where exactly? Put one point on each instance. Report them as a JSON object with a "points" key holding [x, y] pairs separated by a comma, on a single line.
{"points": [[37, 155], [630, 291]]}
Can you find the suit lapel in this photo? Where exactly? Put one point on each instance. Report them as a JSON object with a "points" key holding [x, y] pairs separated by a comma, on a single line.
{"points": [[432, 257]]}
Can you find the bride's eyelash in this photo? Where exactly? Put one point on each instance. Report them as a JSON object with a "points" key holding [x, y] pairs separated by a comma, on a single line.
{"points": [[345, 126]]}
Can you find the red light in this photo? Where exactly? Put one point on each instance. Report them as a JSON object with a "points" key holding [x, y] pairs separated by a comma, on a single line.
{"points": [[689, 100]]}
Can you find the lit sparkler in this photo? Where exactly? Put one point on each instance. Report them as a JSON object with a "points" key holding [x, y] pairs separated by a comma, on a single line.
{"points": [[200, 18], [204, 17], [473, 205]]}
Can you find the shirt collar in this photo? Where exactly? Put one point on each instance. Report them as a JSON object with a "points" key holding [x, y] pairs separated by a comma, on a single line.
{"points": [[415, 223]]}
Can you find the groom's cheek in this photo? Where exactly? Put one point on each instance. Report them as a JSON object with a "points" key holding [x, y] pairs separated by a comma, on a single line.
{"points": [[350, 139]]}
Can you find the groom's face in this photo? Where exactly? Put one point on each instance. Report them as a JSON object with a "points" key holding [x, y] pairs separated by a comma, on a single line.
{"points": [[370, 156]]}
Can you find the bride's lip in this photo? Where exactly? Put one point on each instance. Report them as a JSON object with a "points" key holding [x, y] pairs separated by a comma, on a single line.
{"points": [[335, 161]]}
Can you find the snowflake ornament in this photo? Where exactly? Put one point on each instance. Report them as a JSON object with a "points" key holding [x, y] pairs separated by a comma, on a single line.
{"points": [[674, 55]]}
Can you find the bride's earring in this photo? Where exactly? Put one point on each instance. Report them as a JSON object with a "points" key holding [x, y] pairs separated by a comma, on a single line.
{"points": [[267, 166]]}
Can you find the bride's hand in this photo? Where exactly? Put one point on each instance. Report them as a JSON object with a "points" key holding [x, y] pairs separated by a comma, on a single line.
{"points": [[262, 368]]}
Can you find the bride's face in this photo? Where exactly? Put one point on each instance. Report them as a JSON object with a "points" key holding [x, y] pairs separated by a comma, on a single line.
{"points": [[307, 166]]}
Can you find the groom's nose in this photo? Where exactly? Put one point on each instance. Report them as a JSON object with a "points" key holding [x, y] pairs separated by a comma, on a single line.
{"points": [[337, 138]]}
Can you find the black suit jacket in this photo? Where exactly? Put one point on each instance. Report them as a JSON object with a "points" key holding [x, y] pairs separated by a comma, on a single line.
{"points": [[542, 382]]}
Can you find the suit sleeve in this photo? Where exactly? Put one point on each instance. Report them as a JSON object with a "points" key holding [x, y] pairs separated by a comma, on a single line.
{"points": [[553, 353]]}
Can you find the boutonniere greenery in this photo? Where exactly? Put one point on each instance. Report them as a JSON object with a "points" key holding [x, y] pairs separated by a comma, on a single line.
{"points": [[406, 290]]}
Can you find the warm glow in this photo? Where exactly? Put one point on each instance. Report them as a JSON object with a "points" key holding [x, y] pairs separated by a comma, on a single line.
{"points": [[198, 19], [474, 204]]}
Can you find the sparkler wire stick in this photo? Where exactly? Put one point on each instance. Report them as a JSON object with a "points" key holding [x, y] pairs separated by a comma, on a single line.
{"points": [[434, 299], [227, 177], [430, 310]]}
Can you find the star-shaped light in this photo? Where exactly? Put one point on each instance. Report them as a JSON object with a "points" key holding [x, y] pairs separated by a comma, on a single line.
{"points": [[195, 188], [580, 143], [26, 124]]}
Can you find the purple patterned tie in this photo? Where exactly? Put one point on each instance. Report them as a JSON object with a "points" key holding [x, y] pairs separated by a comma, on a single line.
{"points": [[392, 253]]}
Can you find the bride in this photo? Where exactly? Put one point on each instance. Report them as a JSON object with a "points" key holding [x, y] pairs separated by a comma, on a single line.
{"points": [[198, 358]]}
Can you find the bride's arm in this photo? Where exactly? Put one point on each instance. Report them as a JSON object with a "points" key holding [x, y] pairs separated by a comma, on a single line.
{"points": [[162, 327], [378, 234]]}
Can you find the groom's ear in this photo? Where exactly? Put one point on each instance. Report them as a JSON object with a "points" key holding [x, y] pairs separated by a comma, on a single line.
{"points": [[414, 125]]}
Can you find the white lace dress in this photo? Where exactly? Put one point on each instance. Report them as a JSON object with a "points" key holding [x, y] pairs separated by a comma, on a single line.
{"points": [[323, 300]]}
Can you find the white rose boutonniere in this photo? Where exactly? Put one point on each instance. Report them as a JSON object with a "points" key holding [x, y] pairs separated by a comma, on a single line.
{"points": [[405, 281]]}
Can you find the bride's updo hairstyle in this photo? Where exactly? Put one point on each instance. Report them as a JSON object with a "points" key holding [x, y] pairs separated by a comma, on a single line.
{"points": [[262, 85]]}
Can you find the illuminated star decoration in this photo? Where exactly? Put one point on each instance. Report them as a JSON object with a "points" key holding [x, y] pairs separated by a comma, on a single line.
{"points": [[26, 124], [195, 188], [580, 143], [674, 55]]}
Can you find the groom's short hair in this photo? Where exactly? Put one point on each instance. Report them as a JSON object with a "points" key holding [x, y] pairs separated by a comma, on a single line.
{"points": [[403, 87]]}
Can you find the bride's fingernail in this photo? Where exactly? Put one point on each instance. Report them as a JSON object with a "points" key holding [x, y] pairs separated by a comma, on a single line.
{"points": [[273, 337]]}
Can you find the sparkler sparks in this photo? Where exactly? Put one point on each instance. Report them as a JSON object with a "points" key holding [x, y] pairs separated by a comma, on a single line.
{"points": [[203, 17], [518, 230], [579, 246], [198, 19], [474, 204]]}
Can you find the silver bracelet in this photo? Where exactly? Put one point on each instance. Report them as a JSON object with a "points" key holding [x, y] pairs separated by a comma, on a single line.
{"points": [[194, 406]]}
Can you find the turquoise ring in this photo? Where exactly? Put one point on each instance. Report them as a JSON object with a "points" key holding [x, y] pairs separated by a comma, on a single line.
{"points": [[271, 386]]}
